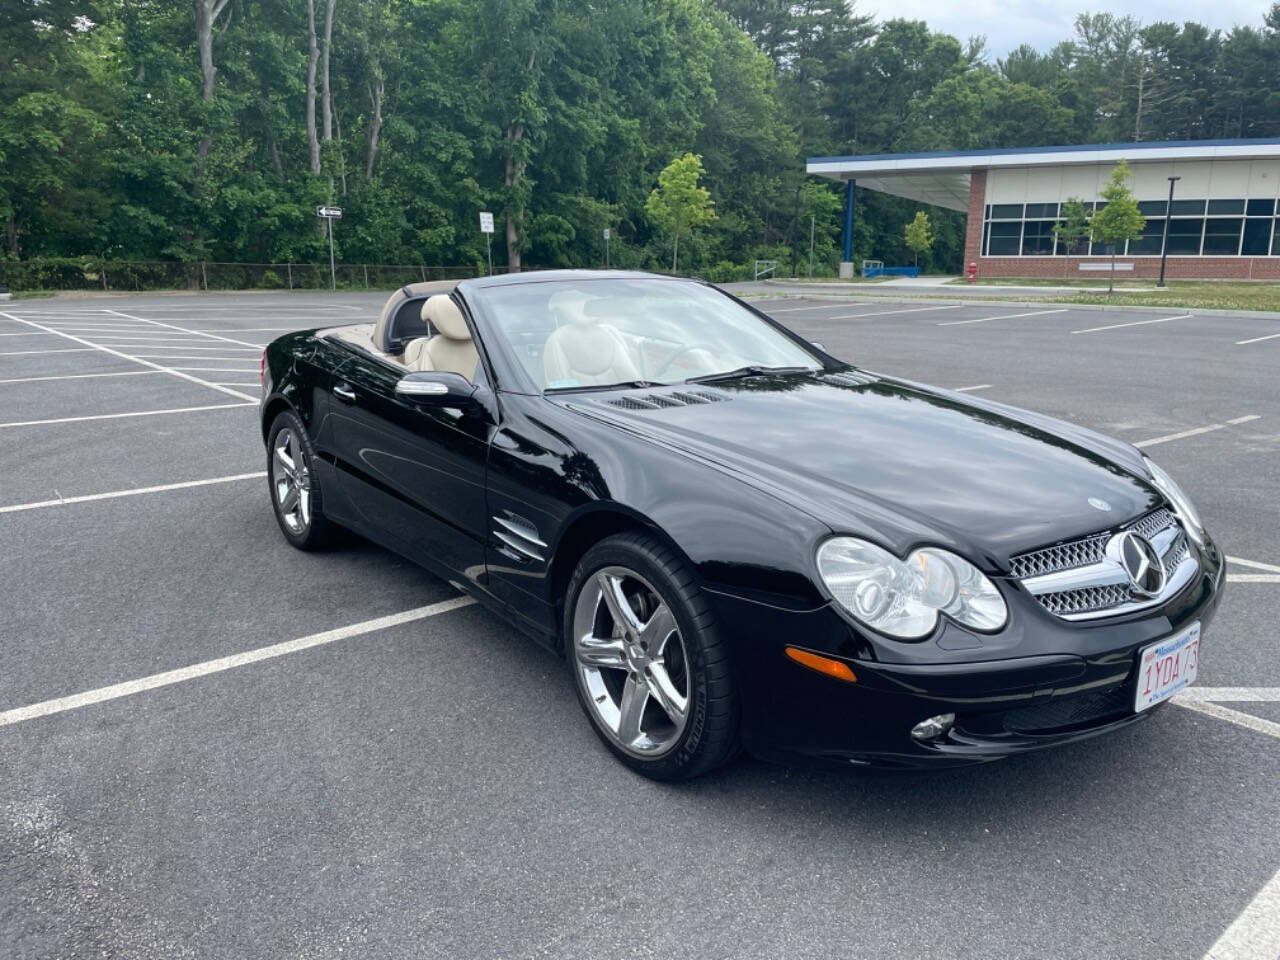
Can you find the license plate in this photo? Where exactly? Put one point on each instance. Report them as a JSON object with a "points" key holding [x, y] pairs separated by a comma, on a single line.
{"points": [[1166, 666]]}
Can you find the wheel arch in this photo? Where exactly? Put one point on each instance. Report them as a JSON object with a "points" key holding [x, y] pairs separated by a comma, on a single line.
{"points": [[272, 409], [589, 527]]}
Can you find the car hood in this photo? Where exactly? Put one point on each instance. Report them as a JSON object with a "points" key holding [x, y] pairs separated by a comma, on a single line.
{"points": [[899, 461]]}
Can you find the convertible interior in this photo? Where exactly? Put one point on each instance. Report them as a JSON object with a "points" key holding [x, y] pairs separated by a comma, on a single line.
{"points": [[569, 335], [420, 328]]}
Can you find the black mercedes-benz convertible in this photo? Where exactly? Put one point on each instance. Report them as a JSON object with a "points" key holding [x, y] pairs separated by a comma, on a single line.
{"points": [[735, 539]]}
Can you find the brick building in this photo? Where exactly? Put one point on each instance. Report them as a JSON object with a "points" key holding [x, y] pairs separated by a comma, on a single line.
{"points": [[1221, 221]]}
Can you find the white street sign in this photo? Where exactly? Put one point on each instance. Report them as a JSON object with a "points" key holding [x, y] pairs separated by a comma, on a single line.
{"points": [[486, 222], [607, 233], [329, 213]]}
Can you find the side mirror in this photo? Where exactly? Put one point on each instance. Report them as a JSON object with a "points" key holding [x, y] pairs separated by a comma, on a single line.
{"points": [[437, 388]]}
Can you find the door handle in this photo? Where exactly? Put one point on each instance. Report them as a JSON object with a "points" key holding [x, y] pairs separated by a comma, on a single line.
{"points": [[344, 393]]}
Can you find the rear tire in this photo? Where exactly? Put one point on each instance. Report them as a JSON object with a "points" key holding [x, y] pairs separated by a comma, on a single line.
{"points": [[650, 669], [295, 491]]}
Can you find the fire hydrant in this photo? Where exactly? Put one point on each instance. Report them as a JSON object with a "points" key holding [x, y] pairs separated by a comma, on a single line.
{"points": [[972, 273]]}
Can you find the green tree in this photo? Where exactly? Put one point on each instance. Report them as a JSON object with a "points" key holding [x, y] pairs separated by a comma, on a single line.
{"points": [[1074, 225], [679, 203], [1119, 220], [919, 235]]}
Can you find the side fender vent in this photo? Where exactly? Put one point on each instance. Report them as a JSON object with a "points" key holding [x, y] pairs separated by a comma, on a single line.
{"points": [[519, 537]]}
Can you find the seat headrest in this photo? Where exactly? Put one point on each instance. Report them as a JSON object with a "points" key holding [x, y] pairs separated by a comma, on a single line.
{"points": [[443, 315], [570, 306]]}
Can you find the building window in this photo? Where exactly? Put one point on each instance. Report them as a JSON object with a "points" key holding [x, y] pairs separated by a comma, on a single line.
{"points": [[1222, 235], [1226, 207], [1184, 237], [1149, 243], [1257, 237], [1217, 228], [1037, 238], [1005, 240]]}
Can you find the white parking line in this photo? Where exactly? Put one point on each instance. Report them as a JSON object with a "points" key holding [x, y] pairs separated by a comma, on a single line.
{"points": [[170, 326], [1195, 431], [976, 386], [215, 369], [817, 306], [1253, 577], [1135, 323], [121, 416], [29, 353], [1270, 567], [27, 333], [207, 667], [124, 356], [1255, 934], [1270, 336], [84, 376], [183, 339], [1004, 316], [255, 351], [1232, 694], [886, 313], [171, 356], [136, 491], [1238, 717]]}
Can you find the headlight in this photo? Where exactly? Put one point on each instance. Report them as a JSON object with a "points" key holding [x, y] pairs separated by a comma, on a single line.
{"points": [[904, 597], [1182, 504]]}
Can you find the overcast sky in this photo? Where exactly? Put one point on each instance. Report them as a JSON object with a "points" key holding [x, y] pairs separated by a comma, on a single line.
{"points": [[1042, 23]]}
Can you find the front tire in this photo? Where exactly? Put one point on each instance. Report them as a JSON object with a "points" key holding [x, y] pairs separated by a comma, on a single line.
{"points": [[650, 669], [295, 493]]}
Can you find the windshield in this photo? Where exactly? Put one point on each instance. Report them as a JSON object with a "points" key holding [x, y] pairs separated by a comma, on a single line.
{"points": [[572, 334]]}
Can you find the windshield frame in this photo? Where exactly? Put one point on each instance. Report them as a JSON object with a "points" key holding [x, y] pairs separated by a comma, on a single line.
{"points": [[512, 377]]}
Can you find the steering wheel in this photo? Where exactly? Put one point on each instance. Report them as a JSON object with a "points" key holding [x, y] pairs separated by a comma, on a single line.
{"points": [[680, 352]]}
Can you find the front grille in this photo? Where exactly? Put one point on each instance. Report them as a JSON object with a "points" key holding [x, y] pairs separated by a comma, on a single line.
{"points": [[1076, 580], [1086, 599], [1065, 713], [1065, 556]]}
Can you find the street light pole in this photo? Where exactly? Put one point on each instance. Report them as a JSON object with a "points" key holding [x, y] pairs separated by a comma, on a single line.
{"points": [[1164, 244]]}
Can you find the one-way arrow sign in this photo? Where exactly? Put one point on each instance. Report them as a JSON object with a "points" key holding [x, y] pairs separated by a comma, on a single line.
{"points": [[329, 213]]}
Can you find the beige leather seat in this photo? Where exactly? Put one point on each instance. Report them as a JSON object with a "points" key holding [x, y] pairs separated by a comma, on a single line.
{"points": [[395, 325], [583, 351], [415, 355], [450, 348]]}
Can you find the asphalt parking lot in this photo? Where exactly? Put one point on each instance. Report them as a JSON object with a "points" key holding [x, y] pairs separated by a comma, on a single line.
{"points": [[216, 746]]}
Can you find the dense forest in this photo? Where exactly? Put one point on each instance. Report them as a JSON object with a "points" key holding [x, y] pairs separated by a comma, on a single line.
{"points": [[211, 129]]}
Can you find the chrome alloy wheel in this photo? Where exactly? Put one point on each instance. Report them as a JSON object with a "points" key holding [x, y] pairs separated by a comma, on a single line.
{"points": [[291, 482], [631, 661]]}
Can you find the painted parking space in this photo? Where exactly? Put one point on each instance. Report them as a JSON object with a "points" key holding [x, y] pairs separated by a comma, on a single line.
{"points": [[190, 690]]}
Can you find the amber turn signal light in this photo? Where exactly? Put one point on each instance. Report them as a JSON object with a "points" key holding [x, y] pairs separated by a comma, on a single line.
{"points": [[814, 661]]}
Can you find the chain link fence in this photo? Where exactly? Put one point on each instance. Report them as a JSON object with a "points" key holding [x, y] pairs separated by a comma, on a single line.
{"points": [[140, 275]]}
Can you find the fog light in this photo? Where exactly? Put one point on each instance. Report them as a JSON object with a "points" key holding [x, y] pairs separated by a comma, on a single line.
{"points": [[934, 727]]}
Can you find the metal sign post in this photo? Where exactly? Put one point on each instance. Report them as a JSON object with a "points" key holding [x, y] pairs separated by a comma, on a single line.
{"points": [[328, 215], [486, 227], [607, 234]]}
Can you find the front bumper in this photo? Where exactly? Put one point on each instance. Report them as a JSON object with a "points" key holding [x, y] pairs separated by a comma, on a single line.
{"points": [[1041, 682]]}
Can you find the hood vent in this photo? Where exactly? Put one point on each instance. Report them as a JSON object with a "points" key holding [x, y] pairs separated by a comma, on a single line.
{"points": [[850, 378], [657, 401]]}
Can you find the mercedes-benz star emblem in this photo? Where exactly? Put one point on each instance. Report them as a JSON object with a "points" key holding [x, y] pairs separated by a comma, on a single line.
{"points": [[1140, 562]]}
